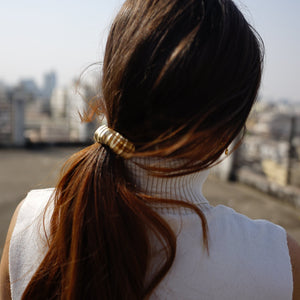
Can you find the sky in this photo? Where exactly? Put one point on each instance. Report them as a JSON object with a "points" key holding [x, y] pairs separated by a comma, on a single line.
{"points": [[68, 35]]}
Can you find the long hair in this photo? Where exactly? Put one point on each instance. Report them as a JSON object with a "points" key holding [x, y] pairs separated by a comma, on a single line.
{"points": [[179, 80]]}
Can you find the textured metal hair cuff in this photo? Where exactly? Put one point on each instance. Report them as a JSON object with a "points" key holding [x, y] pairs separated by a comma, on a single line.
{"points": [[114, 140]]}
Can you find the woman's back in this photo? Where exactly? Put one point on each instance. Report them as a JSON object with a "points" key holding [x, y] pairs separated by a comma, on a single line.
{"points": [[246, 259]]}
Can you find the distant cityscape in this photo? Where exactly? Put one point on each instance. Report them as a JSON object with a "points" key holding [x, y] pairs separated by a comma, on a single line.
{"points": [[271, 147], [47, 114], [50, 114]]}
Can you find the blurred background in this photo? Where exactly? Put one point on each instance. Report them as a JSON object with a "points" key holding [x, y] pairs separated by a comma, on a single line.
{"points": [[47, 45]]}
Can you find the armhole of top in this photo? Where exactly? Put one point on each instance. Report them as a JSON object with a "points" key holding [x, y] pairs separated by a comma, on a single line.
{"points": [[30, 210]]}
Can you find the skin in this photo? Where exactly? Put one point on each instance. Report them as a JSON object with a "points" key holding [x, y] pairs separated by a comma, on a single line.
{"points": [[4, 269], [294, 249]]}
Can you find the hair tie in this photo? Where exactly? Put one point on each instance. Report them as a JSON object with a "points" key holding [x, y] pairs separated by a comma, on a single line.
{"points": [[114, 140]]}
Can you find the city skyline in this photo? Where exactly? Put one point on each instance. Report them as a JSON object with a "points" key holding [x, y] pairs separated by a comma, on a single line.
{"points": [[67, 36]]}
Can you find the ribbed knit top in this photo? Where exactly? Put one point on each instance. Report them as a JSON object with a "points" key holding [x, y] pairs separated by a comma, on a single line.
{"points": [[247, 260], [187, 188]]}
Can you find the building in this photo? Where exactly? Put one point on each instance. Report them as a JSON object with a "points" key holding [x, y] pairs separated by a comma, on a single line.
{"points": [[49, 85], [5, 116]]}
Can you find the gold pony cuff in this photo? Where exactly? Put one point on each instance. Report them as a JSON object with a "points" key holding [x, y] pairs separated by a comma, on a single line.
{"points": [[114, 140]]}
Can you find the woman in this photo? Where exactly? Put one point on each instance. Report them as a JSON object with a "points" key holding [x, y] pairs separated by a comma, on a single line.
{"points": [[127, 219]]}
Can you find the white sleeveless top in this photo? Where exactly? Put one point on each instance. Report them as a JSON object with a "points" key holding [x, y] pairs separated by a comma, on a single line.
{"points": [[247, 260]]}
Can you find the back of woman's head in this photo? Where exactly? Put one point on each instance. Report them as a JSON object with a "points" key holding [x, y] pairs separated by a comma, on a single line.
{"points": [[179, 80], [180, 74]]}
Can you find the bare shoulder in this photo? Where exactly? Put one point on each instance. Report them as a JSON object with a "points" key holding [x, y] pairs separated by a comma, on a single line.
{"points": [[4, 270], [294, 249]]}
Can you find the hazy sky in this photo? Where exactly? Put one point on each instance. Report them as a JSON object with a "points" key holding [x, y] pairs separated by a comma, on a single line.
{"points": [[67, 35]]}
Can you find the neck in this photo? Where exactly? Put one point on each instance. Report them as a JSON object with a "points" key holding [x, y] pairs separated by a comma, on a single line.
{"points": [[187, 188]]}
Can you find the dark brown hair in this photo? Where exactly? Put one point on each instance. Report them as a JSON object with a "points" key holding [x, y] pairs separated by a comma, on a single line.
{"points": [[179, 80]]}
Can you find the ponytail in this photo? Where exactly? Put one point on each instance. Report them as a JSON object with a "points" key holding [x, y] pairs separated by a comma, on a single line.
{"points": [[99, 239], [176, 90]]}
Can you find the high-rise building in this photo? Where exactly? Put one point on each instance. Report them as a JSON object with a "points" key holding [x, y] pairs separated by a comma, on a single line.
{"points": [[49, 84], [30, 86], [59, 103], [47, 90]]}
